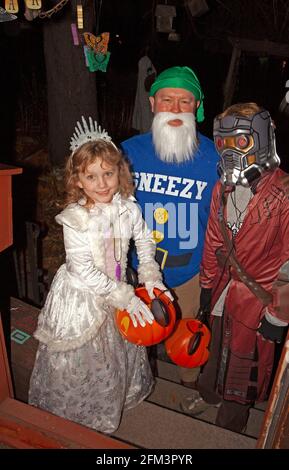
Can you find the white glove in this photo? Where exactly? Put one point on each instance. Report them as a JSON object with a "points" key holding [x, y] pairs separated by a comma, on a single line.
{"points": [[139, 312], [150, 285]]}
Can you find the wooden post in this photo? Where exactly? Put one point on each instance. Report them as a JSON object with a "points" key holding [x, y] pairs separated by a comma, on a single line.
{"points": [[275, 429], [256, 47], [6, 389], [231, 77], [6, 231], [6, 239]]}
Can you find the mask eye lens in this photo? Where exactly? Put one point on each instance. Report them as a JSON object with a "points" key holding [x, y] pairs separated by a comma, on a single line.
{"points": [[219, 142], [242, 141]]}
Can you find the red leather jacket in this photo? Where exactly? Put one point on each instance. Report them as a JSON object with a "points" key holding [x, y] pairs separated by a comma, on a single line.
{"points": [[261, 247]]}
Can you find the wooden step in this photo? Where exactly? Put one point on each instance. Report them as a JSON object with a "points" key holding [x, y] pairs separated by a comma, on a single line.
{"points": [[169, 394], [156, 423], [151, 426]]}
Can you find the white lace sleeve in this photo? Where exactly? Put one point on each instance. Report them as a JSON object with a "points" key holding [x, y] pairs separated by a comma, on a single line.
{"points": [[80, 264]]}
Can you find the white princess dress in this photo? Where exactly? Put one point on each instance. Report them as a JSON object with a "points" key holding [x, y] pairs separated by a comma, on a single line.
{"points": [[84, 370]]}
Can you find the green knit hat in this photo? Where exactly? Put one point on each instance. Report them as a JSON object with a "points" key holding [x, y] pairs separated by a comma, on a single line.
{"points": [[181, 77]]}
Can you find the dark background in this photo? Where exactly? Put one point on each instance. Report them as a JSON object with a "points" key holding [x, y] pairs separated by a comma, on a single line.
{"points": [[204, 45]]}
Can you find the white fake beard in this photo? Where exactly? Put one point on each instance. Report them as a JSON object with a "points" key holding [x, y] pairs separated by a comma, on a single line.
{"points": [[175, 144]]}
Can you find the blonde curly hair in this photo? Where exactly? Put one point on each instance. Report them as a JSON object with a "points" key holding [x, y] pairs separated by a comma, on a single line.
{"points": [[84, 156]]}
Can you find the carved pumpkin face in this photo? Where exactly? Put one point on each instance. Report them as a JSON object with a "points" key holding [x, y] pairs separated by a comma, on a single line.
{"points": [[188, 345], [162, 326]]}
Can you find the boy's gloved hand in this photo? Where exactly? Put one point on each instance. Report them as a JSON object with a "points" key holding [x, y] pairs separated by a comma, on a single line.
{"points": [[150, 285], [139, 312], [271, 332], [205, 306]]}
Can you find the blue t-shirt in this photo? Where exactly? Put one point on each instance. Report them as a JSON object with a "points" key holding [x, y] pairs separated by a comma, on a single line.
{"points": [[175, 201]]}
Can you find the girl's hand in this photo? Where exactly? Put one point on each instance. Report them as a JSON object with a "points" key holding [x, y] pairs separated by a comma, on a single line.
{"points": [[149, 285], [139, 312]]}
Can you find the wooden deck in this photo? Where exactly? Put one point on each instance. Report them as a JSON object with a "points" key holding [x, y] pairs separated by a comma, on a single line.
{"points": [[23, 322], [23, 345], [26, 427]]}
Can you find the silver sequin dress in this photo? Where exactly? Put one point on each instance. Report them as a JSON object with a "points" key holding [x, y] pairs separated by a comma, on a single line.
{"points": [[84, 370]]}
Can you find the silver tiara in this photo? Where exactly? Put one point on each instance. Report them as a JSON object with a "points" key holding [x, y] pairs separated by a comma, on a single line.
{"points": [[87, 133]]}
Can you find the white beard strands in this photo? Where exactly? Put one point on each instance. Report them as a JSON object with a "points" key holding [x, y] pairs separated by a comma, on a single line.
{"points": [[175, 144]]}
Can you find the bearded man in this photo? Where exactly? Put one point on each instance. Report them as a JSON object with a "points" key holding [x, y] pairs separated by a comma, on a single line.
{"points": [[175, 169]]}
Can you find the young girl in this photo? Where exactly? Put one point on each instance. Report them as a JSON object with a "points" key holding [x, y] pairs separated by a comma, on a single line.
{"points": [[84, 370]]}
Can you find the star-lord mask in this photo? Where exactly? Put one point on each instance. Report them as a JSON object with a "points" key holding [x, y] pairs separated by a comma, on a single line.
{"points": [[246, 146]]}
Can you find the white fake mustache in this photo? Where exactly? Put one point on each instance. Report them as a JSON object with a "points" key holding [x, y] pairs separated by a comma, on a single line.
{"points": [[175, 144]]}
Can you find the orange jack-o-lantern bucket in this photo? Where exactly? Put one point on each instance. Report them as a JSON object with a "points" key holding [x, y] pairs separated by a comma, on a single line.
{"points": [[188, 345], [162, 326]]}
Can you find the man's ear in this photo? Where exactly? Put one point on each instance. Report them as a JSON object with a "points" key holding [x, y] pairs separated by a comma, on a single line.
{"points": [[197, 104], [152, 102]]}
